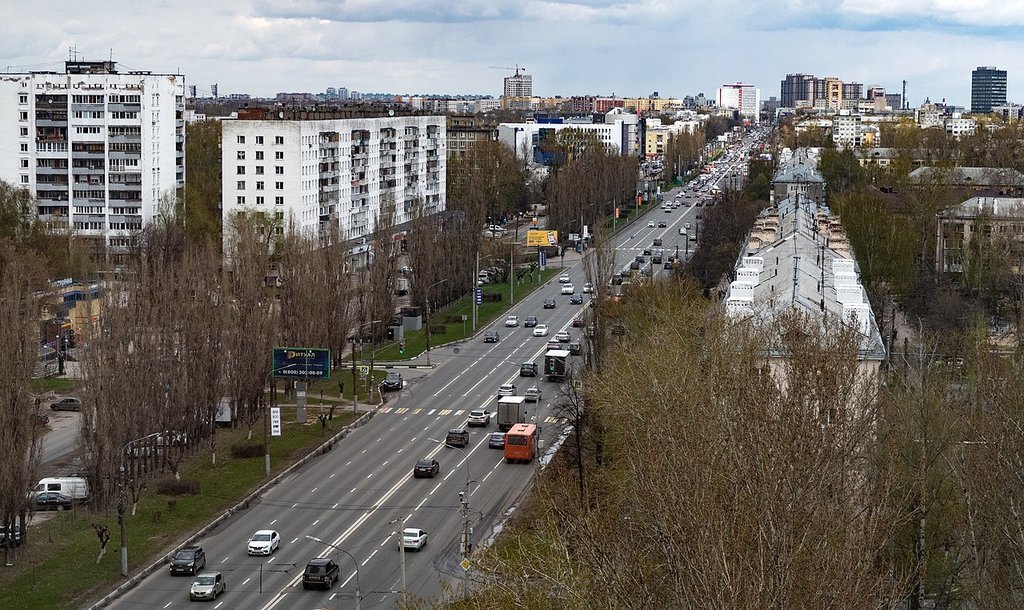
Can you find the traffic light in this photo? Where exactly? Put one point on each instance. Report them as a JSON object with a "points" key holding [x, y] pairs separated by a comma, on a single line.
{"points": [[551, 365], [401, 347]]}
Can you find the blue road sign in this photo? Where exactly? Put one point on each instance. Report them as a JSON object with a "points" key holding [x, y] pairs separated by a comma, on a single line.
{"points": [[479, 296], [543, 259]]}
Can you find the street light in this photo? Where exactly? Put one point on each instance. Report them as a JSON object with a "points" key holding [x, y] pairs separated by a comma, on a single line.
{"points": [[465, 545], [401, 552], [427, 312], [266, 418], [476, 286], [359, 595], [122, 473]]}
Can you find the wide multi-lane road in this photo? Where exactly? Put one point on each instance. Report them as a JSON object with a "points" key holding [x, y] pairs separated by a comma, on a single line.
{"points": [[359, 496]]}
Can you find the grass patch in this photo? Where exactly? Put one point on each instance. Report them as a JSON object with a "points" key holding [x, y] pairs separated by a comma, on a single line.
{"points": [[57, 567], [450, 318], [58, 385]]}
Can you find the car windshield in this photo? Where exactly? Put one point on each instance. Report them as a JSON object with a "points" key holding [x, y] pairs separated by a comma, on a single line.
{"points": [[423, 463], [314, 569], [261, 538], [205, 580], [185, 555]]}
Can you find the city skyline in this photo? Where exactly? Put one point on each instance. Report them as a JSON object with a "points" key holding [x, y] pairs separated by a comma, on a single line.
{"points": [[626, 48]]}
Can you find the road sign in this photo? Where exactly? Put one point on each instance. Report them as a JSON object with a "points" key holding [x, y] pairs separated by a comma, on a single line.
{"points": [[543, 260], [363, 371], [275, 421], [479, 296], [465, 564], [577, 384], [301, 363]]}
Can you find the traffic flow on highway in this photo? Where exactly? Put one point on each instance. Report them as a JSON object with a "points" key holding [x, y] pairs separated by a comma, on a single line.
{"points": [[399, 505]]}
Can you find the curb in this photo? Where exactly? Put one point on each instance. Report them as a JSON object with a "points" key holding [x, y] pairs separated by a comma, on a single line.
{"points": [[322, 449]]}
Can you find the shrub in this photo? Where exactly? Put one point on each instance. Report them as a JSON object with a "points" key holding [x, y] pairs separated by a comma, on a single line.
{"points": [[247, 450], [174, 487]]}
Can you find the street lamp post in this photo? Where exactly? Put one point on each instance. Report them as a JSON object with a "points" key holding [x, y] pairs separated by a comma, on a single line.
{"points": [[465, 546], [427, 314], [373, 346], [359, 595], [401, 552], [122, 508]]}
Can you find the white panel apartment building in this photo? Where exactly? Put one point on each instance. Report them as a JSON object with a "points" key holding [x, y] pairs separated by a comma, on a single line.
{"points": [[311, 173], [99, 149], [744, 98]]}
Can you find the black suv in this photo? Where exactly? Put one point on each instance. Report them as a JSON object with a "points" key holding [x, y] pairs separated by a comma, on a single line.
{"points": [[426, 468], [392, 382], [188, 560], [530, 322], [320, 573], [491, 336], [549, 303], [457, 437]]}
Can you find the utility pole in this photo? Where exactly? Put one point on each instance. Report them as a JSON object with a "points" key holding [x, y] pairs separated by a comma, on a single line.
{"points": [[466, 545]]}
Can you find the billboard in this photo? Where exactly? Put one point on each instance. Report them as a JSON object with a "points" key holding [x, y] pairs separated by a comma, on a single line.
{"points": [[306, 363], [541, 238]]}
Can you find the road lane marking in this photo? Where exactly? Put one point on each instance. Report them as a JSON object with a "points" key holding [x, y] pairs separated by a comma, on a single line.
{"points": [[385, 463], [335, 505], [313, 491], [445, 412], [435, 489], [416, 411], [273, 522], [431, 412], [386, 409], [399, 410], [168, 604], [219, 604], [332, 475], [243, 584], [369, 475], [349, 462], [294, 505], [294, 541], [315, 522], [272, 557], [420, 504], [459, 412], [353, 490], [368, 559]]}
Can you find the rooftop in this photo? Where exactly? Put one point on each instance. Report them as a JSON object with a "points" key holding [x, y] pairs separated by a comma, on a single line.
{"points": [[966, 176], [994, 207], [798, 166]]}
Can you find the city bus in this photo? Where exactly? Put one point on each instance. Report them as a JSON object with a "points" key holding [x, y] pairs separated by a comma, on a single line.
{"points": [[521, 443]]}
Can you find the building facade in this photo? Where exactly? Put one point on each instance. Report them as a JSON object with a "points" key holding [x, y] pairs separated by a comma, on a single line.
{"points": [[317, 175], [743, 98], [101, 150], [988, 89], [519, 85], [464, 131], [985, 219], [618, 133]]}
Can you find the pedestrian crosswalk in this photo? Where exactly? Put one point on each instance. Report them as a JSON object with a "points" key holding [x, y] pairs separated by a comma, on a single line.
{"points": [[445, 412]]}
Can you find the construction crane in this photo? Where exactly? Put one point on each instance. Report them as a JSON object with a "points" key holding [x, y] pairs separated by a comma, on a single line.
{"points": [[516, 69]]}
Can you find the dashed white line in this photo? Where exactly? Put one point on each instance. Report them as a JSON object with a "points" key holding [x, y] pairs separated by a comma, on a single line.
{"points": [[243, 584], [385, 462], [349, 462], [315, 522], [294, 541], [431, 412], [272, 558], [219, 604], [353, 490], [312, 491], [294, 505], [223, 560], [168, 604], [422, 502], [370, 557], [434, 489], [369, 475], [335, 506], [273, 522]]}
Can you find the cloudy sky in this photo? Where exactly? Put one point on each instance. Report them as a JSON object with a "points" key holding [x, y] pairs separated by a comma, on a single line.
{"points": [[625, 47]]}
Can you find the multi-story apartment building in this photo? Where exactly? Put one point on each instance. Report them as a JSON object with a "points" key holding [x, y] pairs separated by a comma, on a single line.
{"points": [[741, 97], [618, 133], [319, 174], [797, 89], [465, 131], [986, 219], [988, 89], [518, 85], [101, 150]]}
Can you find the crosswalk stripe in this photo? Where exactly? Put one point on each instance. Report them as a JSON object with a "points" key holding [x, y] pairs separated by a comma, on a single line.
{"points": [[416, 411], [459, 412], [401, 409], [431, 412], [386, 410], [445, 412]]}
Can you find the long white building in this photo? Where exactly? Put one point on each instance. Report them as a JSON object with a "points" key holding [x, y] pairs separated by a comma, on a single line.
{"points": [[311, 174], [99, 149], [744, 98], [619, 133]]}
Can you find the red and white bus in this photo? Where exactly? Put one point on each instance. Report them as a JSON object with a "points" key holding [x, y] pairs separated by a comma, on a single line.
{"points": [[521, 443]]}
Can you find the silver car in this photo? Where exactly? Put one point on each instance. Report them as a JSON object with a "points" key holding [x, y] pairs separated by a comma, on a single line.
{"points": [[207, 585]]}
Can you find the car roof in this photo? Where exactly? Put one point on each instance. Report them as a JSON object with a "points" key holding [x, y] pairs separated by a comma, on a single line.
{"points": [[319, 561], [425, 461], [269, 532]]}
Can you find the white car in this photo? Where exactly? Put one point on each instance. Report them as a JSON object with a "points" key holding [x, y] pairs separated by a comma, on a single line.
{"points": [[588, 288], [507, 389], [512, 321], [263, 542], [541, 330], [562, 336], [650, 224], [413, 538], [568, 289], [478, 417], [533, 394], [564, 278]]}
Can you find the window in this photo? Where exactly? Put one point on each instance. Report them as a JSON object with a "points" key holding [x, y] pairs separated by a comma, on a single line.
{"points": [[279, 186], [23, 116], [259, 139], [241, 155], [279, 215], [278, 139], [259, 185], [24, 131], [24, 179], [279, 200], [23, 98], [241, 185], [259, 170], [259, 155], [241, 139], [24, 163], [24, 148], [259, 201], [279, 154], [279, 169], [240, 170], [241, 200]]}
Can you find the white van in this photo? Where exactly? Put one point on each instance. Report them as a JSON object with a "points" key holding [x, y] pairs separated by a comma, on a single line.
{"points": [[74, 487]]}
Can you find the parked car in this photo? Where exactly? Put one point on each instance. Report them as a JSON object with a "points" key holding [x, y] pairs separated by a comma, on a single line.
{"points": [[67, 403], [263, 542], [549, 303], [188, 560], [478, 417], [207, 585], [491, 336], [530, 322], [496, 440], [393, 381], [321, 573], [507, 389], [528, 369], [413, 538], [588, 288], [426, 468], [53, 500], [541, 330], [511, 321], [457, 437], [533, 394], [579, 322], [576, 299], [575, 349]]}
